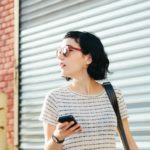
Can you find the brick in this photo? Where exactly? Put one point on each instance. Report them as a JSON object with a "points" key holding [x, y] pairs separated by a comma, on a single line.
{"points": [[10, 70], [9, 108], [8, 65], [10, 47], [10, 102], [4, 2], [1, 19], [10, 87], [10, 141], [9, 6], [11, 11], [4, 37], [3, 72], [1, 80], [10, 114], [9, 53], [10, 128], [13, 58], [11, 94], [8, 78], [11, 35], [9, 41], [12, 133], [3, 84], [5, 48], [3, 60], [8, 23], [4, 14], [2, 31], [8, 59], [9, 17], [9, 90], [1, 66], [11, 22], [2, 55], [1, 9], [2, 43], [4, 25], [12, 109], [11, 121], [10, 84], [8, 135], [9, 29]]}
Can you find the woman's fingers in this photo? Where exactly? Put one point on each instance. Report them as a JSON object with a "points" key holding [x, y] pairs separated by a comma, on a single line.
{"points": [[69, 125], [75, 127], [62, 125], [67, 128]]}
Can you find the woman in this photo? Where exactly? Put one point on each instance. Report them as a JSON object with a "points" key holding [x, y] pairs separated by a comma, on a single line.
{"points": [[83, 60]]}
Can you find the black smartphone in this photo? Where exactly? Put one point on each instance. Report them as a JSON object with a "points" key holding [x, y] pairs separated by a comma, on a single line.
{"points": [[67, 118]]}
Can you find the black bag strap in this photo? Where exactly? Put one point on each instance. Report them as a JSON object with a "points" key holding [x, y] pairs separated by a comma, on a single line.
{"points": [[113, 99]]}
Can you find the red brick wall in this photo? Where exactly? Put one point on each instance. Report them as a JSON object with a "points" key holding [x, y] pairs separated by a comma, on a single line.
{"points": [[7, 60]]}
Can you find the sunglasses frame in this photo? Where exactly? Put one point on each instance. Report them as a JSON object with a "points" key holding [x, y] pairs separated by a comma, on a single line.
{"points": [[66, 49]]}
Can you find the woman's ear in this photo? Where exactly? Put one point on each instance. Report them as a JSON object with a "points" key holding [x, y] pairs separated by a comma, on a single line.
{"points": [[89, 59]]}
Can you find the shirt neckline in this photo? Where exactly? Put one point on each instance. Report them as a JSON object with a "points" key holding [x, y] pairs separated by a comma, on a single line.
{"points": [[92, 95]]}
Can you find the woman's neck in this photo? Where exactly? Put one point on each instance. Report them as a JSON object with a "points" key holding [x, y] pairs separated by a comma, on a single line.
{"points": [[86, 86]]}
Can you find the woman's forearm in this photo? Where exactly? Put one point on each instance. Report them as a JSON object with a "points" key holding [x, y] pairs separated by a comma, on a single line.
{"points": [[51, 145], [132, 143]]}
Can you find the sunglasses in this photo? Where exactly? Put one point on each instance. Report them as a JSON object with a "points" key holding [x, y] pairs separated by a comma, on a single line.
{"points": [[66, 50]]}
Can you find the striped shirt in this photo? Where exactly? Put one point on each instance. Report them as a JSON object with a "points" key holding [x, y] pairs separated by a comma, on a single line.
{"points": [[93, 112]]}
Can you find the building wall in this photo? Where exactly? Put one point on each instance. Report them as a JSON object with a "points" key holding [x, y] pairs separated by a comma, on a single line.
{"points": [[123, 27], [7, 63], [31, 32]]}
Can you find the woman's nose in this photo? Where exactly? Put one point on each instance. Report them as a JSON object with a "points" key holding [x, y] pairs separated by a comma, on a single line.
{"points": [[60, 55]]}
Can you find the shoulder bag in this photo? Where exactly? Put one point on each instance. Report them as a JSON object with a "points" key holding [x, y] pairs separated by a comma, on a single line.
{"points": [[113, 99]]}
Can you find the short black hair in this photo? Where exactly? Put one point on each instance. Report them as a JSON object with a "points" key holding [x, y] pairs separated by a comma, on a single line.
{"points": [[91, 44]]}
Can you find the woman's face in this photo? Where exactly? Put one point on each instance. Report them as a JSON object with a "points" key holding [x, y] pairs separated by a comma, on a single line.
{"points": [[74, 64]]}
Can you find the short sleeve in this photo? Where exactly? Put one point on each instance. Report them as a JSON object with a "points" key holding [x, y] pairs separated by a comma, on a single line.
{"points": [[49, 113], [122, 104]]}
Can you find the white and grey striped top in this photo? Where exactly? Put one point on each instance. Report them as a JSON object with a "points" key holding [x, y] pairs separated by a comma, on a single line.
{"points": [[94, 113]]}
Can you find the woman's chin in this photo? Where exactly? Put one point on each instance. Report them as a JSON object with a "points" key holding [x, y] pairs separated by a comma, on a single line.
{"points": [[63, 74]]}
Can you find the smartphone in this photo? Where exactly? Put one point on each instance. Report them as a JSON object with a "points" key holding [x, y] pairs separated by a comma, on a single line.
{"points": [[67, 118]]}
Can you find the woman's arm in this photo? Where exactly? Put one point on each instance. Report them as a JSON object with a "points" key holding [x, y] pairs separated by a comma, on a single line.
{"points": [[61, 131], [49, 143], [131, 142]]}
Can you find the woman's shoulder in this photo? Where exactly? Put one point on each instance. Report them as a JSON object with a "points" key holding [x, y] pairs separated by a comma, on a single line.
{"points": [[54, 95], [117, 89], [119, 92], [57, 91]]}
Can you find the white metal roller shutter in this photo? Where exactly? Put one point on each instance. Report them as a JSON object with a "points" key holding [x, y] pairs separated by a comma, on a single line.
{"points": [[123, 26]]}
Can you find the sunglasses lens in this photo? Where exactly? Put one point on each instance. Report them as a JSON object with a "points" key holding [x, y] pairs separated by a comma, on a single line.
{"points": [[58, 52], [65, 51]]}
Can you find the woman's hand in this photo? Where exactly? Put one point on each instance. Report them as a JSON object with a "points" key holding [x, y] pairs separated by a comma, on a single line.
{"points": [[66, 129]]}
